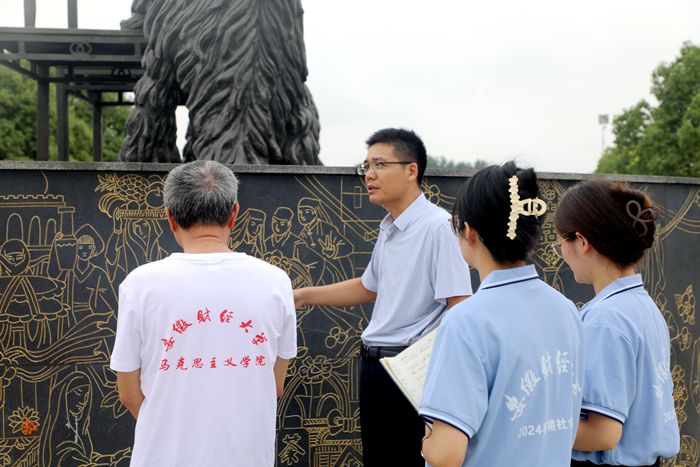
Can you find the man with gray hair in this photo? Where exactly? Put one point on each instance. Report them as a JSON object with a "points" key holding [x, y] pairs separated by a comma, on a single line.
{"points": [[204, 337]]}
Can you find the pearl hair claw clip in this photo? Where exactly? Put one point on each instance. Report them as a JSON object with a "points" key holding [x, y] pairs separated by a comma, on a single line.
{"points": [[521, 207]]}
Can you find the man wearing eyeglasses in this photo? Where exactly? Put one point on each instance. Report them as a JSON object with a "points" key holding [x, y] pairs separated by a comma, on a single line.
{"points": [[416, 272]]}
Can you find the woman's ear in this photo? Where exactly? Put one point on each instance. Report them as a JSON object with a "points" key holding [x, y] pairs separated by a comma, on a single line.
{"points": [[583, 241], [469, 233]]}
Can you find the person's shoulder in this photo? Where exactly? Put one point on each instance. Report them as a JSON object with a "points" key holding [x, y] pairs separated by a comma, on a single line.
{"points": [[147, 270], [548, 292], [549, 297], [435, 213], [469, 312], [433, 218], [468, 319], [618, 313], [613, 307], [486, 304], [258, 266], [629, 300]]}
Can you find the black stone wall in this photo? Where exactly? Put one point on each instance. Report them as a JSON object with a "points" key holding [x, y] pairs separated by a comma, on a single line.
{"points": [[70, 233]]}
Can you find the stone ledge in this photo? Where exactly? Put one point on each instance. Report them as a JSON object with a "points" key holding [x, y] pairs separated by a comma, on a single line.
{"points": [[317, 170]]}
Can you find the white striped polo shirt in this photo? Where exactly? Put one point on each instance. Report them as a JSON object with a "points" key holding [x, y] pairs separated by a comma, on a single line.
{"points": [[415, 267]]}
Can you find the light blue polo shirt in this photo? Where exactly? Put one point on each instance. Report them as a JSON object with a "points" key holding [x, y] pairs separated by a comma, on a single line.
{"points": [[415, 266], [506, 371], [628, 375]]}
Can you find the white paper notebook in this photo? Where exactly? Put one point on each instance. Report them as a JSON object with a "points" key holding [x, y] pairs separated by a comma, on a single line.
{"points": [[409, 368]]}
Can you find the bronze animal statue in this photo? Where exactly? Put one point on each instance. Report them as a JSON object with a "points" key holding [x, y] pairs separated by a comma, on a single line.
{"points": [[239, 66]]}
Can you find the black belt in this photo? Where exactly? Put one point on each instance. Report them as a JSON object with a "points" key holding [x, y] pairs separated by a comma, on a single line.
{"points": [[377, 352]]}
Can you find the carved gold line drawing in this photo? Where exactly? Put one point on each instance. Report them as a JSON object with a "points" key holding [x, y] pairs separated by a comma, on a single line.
{"points": [[60, 266]]}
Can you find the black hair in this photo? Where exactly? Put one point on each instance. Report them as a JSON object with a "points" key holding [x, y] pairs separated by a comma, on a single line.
{"points": [[406, 143], [483, 202], [617, 220]]}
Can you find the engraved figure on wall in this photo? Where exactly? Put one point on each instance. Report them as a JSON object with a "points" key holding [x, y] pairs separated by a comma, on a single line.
{"points": [[87, 287], [27, 301], [279, 247], [281, 238], [134, 241], [134, 203], [66, 437], [249, 233], [92, 289], [321, 245]]}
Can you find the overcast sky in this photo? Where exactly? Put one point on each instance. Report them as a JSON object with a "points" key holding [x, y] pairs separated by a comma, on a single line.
{"points": [[490, 79]]}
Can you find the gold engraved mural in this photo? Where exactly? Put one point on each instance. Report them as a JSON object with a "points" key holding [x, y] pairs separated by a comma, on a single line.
{"points": [[68, 238]]}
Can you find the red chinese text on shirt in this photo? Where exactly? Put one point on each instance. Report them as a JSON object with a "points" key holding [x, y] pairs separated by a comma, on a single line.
{"points": [[197, 362], [203, 317], [259, 339], [181, 326], [181, 364], [226, 316], [168, 343]]}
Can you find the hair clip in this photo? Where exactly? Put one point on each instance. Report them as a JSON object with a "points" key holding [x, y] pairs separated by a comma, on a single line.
{"points": [[637, 218], [521, 207]]}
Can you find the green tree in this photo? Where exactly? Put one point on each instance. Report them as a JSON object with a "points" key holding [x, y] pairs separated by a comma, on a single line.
{"points": [[662, 139], [18, 122], [17, 117], [441, 162]]}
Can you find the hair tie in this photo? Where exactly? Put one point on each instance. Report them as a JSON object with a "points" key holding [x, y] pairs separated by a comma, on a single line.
{"points": [[521, 207], [637, 218]]}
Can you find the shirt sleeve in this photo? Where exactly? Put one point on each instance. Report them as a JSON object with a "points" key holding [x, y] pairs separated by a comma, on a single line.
{"points": [[287, 345], [126, 355], [369, 277], [456, 389], [610, 372], [449, 272]]}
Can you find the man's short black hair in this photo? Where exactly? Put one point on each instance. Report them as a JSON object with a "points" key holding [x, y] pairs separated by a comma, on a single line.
{"points": [[407, 144]]}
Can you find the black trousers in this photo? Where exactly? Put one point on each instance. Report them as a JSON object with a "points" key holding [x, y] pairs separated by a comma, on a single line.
{"points": [[391, 429], [591, 464]]}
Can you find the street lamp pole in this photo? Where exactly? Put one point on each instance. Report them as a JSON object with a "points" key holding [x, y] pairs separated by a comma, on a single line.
{"points": [[603, 120]]}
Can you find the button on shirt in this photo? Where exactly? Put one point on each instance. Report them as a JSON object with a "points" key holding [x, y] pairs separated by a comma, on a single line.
{"points": [[415, 266], [627, 374], [505, 370]]}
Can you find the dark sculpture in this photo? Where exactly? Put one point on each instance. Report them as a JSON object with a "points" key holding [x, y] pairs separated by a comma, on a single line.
{"points": [[239, 66]]}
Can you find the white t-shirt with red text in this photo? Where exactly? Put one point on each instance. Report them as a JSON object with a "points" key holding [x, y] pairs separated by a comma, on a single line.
{"points": [[205, 330]]}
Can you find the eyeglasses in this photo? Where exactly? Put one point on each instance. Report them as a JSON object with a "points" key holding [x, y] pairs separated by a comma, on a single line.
{"points": [[556, 247], [377, 166]]}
